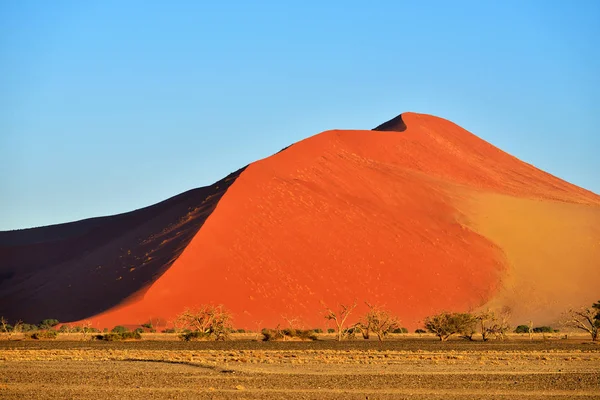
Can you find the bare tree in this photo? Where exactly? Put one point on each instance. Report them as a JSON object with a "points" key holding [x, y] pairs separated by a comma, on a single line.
{"points": [[491, 323], [585, 319], [9, 329], [4, 325], [339, 317]]}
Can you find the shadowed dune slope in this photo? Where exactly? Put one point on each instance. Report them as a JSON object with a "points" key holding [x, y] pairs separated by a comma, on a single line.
{"points": [[74, 270], [382, 216]]}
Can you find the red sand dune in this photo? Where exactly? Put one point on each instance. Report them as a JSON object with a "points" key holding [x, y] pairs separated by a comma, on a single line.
{"points": [[417, 216]]}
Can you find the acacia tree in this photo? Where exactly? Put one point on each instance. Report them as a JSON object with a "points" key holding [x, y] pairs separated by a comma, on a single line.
{"points": [[339, 317], [585, 319], [446, 324], [86, 329], [379, 321], [208, 320]]}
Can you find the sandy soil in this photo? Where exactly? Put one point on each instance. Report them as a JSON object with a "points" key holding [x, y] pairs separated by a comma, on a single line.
{"points": [[552, 250], [324, 370]]}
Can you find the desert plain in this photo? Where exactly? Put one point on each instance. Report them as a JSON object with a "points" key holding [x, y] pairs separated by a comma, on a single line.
{"points": [[405, 366]]}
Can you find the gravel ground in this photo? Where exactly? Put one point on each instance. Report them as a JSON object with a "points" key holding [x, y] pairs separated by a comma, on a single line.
{"points": [[415, 369]]}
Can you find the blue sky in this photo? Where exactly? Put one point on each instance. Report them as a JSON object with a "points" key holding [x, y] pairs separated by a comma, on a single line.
{"points": [[108, 106]]}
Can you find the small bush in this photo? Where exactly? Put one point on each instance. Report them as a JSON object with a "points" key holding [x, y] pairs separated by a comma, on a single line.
{"points": [[48, 323], [271, 334], [330, 330], [241, 331], [119, 329], [169, 330], [193, 335], [277, 334], [543, 329], [522, 329], [115, 337], [420, 331], [306, 334], [29, 328], [44, 335], [318, 330]]}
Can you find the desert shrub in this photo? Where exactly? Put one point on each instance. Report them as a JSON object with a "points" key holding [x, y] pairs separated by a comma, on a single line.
{"points": [[193, 335], [119, 329], [29, 328], [49, 334], [48, 323], [400, 330], [114, 337], [543, 329], [446, 324], [420, 331], [288, 334], [169, 330], [306, 334], [330, 330], [147, 327], [241, 331], [271, 334], [522, 329], [317, 330]]}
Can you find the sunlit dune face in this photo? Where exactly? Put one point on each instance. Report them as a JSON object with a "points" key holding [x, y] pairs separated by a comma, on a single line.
{"points": [[407, 220]]}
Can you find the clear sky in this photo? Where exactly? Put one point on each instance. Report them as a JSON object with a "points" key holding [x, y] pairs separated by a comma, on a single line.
{"points": [[108, 106]]}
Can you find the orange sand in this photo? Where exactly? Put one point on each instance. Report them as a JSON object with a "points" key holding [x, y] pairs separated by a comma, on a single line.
{"points": [[378, 216]]}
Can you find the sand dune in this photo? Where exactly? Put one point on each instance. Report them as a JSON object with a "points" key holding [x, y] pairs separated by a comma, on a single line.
{"points": [[418, 215], [74, 270]]}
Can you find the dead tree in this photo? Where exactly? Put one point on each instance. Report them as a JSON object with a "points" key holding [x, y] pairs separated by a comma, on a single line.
{"points": [[10, 330], [339, 317], [491, 323]]}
